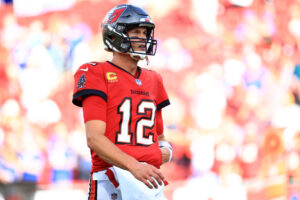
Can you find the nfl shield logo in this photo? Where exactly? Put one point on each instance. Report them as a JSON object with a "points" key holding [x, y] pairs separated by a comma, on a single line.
{"points": [[139, 82], [114, 196]]}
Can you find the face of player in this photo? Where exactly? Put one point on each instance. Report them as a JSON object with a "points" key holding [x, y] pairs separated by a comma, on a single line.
{"points": [[137, 35]]}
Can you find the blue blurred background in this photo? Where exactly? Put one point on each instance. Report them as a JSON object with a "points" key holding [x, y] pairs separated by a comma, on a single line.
{"points": [[232, 71]]}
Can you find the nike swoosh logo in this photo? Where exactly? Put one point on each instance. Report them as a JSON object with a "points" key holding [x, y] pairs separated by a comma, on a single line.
{"points": [[86, 69]]}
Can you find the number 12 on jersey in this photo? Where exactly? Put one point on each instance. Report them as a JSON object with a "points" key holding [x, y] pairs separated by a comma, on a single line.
{"points": [[124, 135]]}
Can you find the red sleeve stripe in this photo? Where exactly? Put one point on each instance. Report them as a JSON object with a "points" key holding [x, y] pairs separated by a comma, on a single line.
{"points": [[77, 97]]}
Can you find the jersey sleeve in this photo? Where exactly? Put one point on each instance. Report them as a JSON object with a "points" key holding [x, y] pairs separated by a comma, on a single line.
{"points": [[159, 123], [94, 108], [161, 96], [89, 80]]}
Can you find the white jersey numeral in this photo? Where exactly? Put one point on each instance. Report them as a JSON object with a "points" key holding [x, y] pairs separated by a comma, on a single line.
{"points": [[124, 136]]}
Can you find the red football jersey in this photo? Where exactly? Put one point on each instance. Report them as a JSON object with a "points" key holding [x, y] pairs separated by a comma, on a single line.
{"points": [[131, 105]]}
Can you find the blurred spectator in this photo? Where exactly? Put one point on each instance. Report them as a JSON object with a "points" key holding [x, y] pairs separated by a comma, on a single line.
{"points": [[232, 69], [6, 1]]}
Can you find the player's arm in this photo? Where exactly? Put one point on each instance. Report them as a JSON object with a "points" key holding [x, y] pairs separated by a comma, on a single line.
{"points": [[109, 152], [165, 146]]}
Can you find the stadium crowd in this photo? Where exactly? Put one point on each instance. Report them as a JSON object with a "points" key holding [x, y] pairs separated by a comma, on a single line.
{"points": [[231, 68]]}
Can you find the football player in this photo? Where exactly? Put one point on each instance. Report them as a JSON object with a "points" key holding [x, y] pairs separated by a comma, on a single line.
{"points": [[122, 105]]}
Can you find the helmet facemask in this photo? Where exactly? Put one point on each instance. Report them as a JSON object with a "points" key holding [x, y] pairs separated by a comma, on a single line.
{"points": [[149, 43]]}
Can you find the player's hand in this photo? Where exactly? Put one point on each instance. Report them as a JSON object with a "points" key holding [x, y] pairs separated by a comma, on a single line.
{"points": [[147, 173]]}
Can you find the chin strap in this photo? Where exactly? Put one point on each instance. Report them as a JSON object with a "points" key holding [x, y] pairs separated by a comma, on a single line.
{"points": [[139, 57]]}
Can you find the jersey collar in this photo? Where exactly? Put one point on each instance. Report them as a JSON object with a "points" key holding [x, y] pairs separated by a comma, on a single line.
{"points": [[136, 76]]}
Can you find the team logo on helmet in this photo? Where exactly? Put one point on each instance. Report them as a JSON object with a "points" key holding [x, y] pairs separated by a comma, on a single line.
{"points": [[114, 16]]}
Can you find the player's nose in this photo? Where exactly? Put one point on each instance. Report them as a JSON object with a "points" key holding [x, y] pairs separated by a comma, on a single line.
{"points": [[142, 35]]}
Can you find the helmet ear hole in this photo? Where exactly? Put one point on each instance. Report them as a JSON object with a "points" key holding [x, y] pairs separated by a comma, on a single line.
{"points": [[120, 28], [111, 37], [125, 46]]}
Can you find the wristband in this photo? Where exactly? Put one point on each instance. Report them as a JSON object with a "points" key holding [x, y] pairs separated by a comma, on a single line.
{"points": [[167, 145]]}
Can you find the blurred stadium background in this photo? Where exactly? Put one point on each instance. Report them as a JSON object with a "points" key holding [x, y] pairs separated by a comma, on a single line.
{"points": [[232, 70]]}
